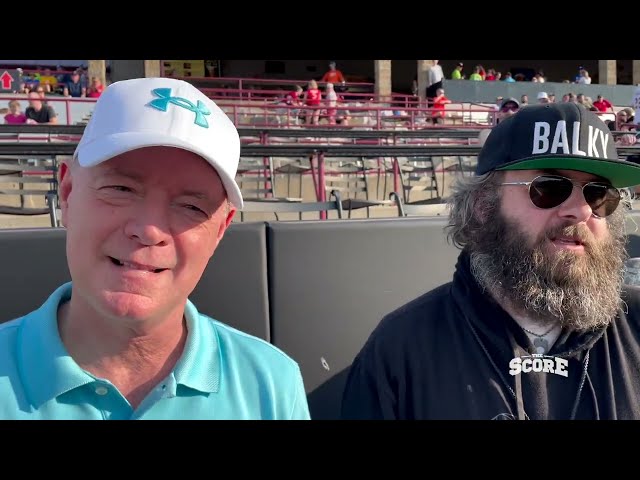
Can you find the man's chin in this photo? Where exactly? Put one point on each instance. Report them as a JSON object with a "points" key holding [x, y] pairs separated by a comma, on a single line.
{"points": [[129, 305]]}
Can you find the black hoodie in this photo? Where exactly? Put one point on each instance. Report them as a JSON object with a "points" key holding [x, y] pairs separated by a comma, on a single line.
{"points": [[447, 354]]}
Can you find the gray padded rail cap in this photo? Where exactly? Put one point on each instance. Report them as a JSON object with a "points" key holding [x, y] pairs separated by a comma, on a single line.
{"points": [[233, 288], [332, 282], [34, 264]]}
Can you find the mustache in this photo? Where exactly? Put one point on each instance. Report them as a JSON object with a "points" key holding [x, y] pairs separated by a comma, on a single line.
{"points": [[579, 231]]}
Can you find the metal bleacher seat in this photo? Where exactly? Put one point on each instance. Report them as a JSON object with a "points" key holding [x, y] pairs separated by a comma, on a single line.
{"points": [[277, 207], [418, 175], [255, 177], [425, 208], [30, 180], [350, 179]]}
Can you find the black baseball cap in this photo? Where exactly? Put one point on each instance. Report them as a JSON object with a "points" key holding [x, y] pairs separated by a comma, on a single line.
{"points": [[561, 136]]}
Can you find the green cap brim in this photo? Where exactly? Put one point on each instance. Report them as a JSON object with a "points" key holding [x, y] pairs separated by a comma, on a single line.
{"points": [[620, 173]]}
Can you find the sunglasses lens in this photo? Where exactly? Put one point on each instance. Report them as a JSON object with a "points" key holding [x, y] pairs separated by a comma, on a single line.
{"points": [[603, 199], [549, 192]]}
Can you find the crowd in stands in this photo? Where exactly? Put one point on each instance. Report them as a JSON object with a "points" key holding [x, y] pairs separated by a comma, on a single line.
{"points": [[491, 75], [624, 119], [308, 106], [38, 86], [74, 84]]}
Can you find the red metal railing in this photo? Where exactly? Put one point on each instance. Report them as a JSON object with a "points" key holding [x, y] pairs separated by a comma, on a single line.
{"points": [[271, 95], [242, 83], [378, 117], [53, 100]]}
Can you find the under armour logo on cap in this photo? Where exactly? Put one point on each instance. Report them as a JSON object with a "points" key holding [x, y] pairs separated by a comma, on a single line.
{"points": [[165, 98]]}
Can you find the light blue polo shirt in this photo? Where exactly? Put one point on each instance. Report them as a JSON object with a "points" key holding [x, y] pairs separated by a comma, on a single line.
{"points": [[222, 374]]}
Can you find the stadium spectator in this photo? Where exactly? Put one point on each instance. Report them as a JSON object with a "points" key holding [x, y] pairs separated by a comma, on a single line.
{"points": [[435, 75], [476, 76], [75, 87], [15, 115], [457, 72], [524, 100], [584, 77], [38, 112], [603, 105], [333, 75], [439, 102], [508, 78], [543, 98], [96, 88], [312, 98], [48, 81], [331, 99], [584, 101], [507, 108], [296, 95]]}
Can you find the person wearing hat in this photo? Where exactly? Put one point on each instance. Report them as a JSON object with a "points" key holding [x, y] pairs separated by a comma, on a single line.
{"points": [[508, 107], [536, 322], [146, 200], [457, 72], [542, 98]]}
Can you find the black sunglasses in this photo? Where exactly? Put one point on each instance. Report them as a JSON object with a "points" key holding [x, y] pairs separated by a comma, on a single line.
{"points": [[550, 191]]}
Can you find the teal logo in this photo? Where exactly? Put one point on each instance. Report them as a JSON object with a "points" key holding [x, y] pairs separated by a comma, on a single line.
{"points": [[164, 99]]}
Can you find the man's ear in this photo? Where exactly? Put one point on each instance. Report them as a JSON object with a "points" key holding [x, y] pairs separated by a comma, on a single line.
{"points": [[227, 222], [65, 187], [485, 198]]}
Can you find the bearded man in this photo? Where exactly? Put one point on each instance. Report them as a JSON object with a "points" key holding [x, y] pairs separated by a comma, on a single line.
{"points": [[537, 323]]}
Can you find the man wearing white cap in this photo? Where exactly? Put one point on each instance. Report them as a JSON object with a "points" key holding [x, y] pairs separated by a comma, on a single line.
{"points": [[543, 98], [146, 200]]}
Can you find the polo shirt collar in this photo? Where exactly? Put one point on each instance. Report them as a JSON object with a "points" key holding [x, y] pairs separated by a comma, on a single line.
{"points": [[200, 365], [47, 369]]}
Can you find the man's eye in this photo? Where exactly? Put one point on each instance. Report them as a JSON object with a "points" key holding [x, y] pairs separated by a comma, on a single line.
{"points": [[194, 208], [119, 188]]}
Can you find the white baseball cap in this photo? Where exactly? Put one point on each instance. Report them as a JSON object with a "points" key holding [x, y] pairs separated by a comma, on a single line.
{"points": [[542, 95], [147, 112]]}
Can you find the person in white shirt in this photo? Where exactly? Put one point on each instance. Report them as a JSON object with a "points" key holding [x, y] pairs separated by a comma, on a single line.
{"points": [[584, 78], [434, 81]]}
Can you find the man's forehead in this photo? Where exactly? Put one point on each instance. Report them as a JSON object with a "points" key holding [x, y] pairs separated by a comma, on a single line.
{"points": [[112, 167], [135, 165]]}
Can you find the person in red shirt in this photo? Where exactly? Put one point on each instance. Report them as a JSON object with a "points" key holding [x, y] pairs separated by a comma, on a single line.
{"points": [[439, 102], [312, 99], [603, 105], [96, 88], [296, 95], [332, 75]]}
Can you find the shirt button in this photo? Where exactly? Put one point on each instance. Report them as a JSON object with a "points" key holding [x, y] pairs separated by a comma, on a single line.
{"points": [[102, 390]]}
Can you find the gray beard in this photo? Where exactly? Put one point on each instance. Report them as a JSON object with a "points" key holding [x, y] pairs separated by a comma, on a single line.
{"points": [[578, 291]]}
